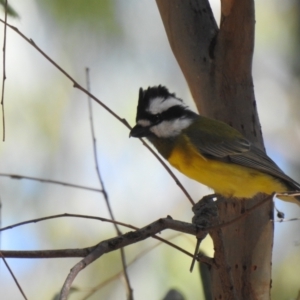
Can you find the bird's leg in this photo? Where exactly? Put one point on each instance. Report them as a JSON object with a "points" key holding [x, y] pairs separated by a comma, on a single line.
{"points": [[205, 211]]}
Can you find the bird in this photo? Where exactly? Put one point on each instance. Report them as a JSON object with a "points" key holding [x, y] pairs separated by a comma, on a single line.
{"points": [[207, 150]]}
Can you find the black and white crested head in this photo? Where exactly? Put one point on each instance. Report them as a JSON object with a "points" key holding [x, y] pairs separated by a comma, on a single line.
{"points": [[161, 113]]}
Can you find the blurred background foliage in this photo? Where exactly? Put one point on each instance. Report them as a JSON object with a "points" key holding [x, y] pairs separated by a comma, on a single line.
{"points": [[48, 136], [10, 11], [94, 15]]}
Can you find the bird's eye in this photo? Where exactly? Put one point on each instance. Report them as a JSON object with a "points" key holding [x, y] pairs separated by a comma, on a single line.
{"points": [[157, 118]]}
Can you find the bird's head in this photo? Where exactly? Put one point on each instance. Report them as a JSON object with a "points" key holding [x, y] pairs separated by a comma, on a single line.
{"points": [[160, 114]]}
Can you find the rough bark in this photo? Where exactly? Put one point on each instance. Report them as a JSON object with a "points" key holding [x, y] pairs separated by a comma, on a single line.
{"points": [[243, 251], [217, 63]]}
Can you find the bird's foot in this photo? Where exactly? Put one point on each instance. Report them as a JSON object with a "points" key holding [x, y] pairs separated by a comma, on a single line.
{"points": [[205, 213]]}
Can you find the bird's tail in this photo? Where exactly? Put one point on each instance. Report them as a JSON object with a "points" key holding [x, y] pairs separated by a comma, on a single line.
{"points": [[291, 195]]}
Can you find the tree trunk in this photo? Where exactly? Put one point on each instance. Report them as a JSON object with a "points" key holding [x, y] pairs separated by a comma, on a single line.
{"points": [[217, 66]]}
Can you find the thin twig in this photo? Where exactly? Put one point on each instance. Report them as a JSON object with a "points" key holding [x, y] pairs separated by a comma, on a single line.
{"points": [[129, 237], [176, 225], [19, 177], [66, 216], [105, 194], [123, 121], [118, 242], [93, 253], [171, 224], [13, 276], [287, 220], [4, 71], [42, 254], [92, 218], [179, 184], [115, 276], [168, 222]]}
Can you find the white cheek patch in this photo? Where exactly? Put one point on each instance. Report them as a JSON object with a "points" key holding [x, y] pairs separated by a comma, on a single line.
{"points": [[143, 122], [159, 105], [167, 129]]}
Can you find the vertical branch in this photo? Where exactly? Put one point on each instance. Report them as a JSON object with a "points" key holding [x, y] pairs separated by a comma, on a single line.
{"points": [[234, 101], [4, 71], [105, 195], [192, 30], [217, 64]]}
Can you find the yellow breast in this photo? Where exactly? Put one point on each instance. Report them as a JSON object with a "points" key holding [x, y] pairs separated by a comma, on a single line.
{"points": [[230, 180]]}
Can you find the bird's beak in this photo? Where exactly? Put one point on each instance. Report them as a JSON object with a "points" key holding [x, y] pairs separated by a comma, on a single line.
{"points": [[139, 131]]}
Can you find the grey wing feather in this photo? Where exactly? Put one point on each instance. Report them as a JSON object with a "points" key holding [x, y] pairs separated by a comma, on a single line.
{"points": [[210, 139], [258, 160], [238, 151], [222, 149]]}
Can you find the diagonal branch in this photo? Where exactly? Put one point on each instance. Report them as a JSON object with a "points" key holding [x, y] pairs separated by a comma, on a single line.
{"points": [[165, 223], [161, 224], [122, 241], [90, 254], [19, 177], [123, 121], [67, 215], [13, 276], [70, 252], [102, 284]]}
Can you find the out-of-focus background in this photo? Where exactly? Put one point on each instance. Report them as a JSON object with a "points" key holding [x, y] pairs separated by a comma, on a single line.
{"points": [[48, 135]]}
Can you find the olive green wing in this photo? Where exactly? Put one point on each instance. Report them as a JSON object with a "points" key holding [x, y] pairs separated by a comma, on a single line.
{"points": [[258, 159], [219, 141], [216, 139]]}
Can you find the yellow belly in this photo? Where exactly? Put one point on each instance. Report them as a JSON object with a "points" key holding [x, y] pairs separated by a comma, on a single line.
{"points": [[227, 179]]}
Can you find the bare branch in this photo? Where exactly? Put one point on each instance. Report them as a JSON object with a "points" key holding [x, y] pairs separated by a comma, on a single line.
{"points": [[171, 224], [122, 241], [13, 276], [92, 253], [191, 30], [104, 247], [4, 70], [19, 177], [115, 276], [123, 121], [287, 220], [66, 215], [129, 289], [42, 254], [179, 184], [75, 252], [216, 63], [116, 242]]}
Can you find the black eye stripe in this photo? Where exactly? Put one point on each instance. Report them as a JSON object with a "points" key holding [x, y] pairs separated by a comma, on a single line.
{"points": [[174, 112]]}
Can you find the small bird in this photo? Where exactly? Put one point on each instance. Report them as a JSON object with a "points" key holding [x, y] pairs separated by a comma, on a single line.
{"points": [[206, 150]]}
